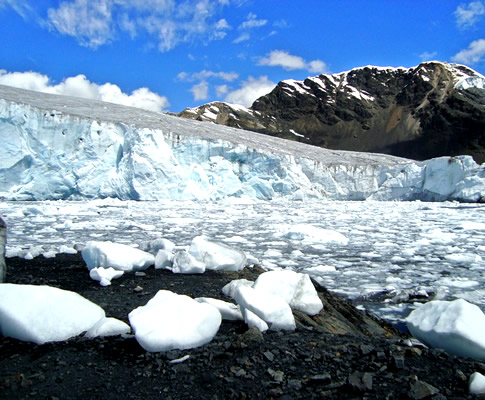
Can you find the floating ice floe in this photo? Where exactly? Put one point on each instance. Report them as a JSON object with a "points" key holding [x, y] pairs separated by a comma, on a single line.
{"points": [[171, 321], [313, 234], [118, 256], [457, 327], [43, 314]]}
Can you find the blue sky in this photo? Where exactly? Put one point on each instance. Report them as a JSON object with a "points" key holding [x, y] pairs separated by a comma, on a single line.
{"points": [[168, 55]]}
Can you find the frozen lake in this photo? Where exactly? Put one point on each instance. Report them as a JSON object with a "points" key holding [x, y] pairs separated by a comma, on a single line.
{"points": [[395, 250]]}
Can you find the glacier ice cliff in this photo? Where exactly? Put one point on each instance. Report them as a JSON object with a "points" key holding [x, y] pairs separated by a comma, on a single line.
{"points": [[56, 147]]}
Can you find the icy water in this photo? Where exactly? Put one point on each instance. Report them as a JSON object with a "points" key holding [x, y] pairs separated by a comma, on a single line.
{"points": [[396, 251]]}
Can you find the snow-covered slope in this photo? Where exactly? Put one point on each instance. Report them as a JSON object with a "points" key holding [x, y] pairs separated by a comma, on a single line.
{"points": [[56, 147]]}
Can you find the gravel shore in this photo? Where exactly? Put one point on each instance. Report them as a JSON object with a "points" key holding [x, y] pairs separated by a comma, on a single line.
{"points": [[340, 353]]}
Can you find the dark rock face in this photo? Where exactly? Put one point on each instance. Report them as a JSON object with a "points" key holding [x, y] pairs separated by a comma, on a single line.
{"points": [[3, 238], [418, 113]]}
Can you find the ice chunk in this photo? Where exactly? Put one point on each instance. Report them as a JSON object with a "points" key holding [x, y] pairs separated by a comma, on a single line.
{"points": [[171, 321], [164, 259], [230, 289], [313, 233], [105, 275], [270, 308], [253, 320], [154, 246], [108, 327], [228, 311], [456, 326], [185, 263], [119, 256], [295, 288], [43, 314], [217, 256], [477, 383]]}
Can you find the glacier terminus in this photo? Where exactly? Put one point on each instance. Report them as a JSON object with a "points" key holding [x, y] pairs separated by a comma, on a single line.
{"points": [[57, 147]]}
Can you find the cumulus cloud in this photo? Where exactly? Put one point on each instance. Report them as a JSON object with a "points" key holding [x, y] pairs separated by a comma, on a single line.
{"points": [[94, 23], [467, 15], [283, 59], [80, 86], [250, 90], [473, 54], [200, 91]]}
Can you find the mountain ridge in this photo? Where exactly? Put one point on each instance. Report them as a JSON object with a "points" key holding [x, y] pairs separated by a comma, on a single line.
{"points": [[431, 110]]}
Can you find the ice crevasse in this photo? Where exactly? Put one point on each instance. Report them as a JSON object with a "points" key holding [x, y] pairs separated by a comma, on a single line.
{"points": [[133, 154]]}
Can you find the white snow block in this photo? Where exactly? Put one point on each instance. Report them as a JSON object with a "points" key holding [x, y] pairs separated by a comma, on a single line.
{"points": [[229, 311], [230, 289], [217, 256], [164, 259], [43, 314], [108, 327], [252, 320], [115, 255], [476, 383], [105, 275], [295, 288], [185, 263], [171, 321], [455, 326], [270, 308]]}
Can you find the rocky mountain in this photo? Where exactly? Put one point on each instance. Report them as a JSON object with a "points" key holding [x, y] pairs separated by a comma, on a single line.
{"points": [[431, 110]]}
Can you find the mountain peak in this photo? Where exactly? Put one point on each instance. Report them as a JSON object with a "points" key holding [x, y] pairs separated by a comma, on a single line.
{"points": [[430, 110]]}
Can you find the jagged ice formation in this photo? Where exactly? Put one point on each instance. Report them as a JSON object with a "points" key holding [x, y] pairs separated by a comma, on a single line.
{"points": [[56, 147]]}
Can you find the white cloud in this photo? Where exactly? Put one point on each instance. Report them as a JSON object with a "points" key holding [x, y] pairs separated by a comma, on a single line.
{"points": [[80, 86], [200, 91], [473, 54], [317, 67], [428, 56], [250, 90], [469, 14], [252, 22], [205, 74], [21, 7], [94, 23], [87, 20], [242, 38], [280, 58], [222, 90]]}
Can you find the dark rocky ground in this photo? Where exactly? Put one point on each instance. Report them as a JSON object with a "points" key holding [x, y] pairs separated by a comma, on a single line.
{"points": [[341, 353]]}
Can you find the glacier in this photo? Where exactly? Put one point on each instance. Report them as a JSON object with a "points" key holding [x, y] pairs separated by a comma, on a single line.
{"points": [[57, 147]]}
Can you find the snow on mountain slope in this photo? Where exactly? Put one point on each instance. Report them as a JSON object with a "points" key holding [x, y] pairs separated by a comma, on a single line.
{"points": [[57, 147]]}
